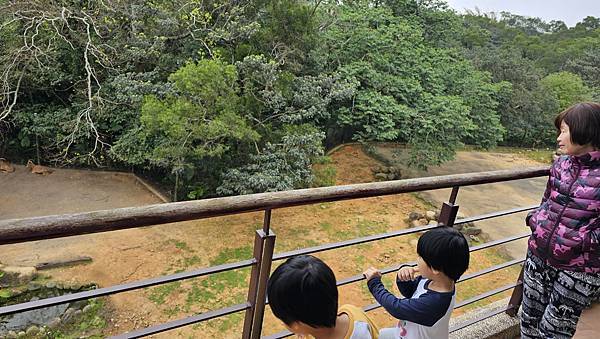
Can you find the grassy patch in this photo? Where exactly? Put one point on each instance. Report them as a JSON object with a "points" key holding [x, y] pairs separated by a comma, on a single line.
{"points": [[232, 255], [160, 293], [370, 227], [89, 325], [182, 245], [206, 292], [5, 293], [324, 175], [327, 227]]}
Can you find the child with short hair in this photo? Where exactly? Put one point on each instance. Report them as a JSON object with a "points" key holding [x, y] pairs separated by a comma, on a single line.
{"points": [[303, 295], [428, 289], [562, 270]]}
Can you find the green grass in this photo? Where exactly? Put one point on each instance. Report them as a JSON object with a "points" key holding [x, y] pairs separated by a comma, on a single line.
{"points": [[370, 227], [160, 293], [327, 227], [205, 292], [5, 293], [324, 176], [182, 245], [231, 255], [88, 325]]}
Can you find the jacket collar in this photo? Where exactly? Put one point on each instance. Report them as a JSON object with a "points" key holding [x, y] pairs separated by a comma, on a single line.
{"points": [[591, 159]]}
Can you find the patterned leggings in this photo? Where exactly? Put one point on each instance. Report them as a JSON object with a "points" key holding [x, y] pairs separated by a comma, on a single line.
{"points": [[553, 299]]}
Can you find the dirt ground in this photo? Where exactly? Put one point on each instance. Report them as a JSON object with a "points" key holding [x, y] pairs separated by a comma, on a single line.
{"points": [[137, 254], [481, 199]]}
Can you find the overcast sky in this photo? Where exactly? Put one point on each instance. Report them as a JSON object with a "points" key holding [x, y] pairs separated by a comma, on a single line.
{"points": [[569, 11]]}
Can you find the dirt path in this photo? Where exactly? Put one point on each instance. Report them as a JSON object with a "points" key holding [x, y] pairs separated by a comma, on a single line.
{"points": [[475, 200]]}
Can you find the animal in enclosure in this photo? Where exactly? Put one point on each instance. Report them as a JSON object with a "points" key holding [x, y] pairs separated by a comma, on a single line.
{"points": [[38, 169], [5, 166]]}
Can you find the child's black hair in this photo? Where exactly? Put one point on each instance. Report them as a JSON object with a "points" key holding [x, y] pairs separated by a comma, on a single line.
{"points": [[445, 249], [303, 289]]}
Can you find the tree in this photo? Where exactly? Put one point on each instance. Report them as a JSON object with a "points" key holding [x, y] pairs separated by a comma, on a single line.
{"points": [[403, 79], [279, 166], [197, 121], [587, 66], [567, 88]]}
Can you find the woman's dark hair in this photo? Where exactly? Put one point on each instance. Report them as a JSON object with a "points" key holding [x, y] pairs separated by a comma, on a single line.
{"points": [[583, 120], [303, 289], [445, 249]]}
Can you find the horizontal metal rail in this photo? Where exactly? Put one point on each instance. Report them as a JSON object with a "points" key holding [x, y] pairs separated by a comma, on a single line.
{"points": [[351, 242], [171, 325], [370, 238], [494, 214], [490, 269], [485, 295], [246, 263], [66, 298], [54, 226]]}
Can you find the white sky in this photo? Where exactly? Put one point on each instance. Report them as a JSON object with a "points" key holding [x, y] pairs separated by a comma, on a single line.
{"points": [[569, 11]]}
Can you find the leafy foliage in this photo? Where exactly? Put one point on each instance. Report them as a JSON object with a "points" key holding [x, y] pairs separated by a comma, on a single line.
{"points": [[219, 97]]}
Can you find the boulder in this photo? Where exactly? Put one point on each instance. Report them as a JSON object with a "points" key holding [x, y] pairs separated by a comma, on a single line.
{"points": [[423, 222], [32, 330], [415, 215], [54, 323], [430, 215]]}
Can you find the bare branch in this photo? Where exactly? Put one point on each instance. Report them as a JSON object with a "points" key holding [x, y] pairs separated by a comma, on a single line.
{"points": [[35, 52]]}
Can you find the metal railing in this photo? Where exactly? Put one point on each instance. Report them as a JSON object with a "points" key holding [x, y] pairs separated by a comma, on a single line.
{"points": [[55, 226]]}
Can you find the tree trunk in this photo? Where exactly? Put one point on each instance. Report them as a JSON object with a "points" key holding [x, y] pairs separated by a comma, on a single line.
{"points": [[37, 148], [176, 186]]}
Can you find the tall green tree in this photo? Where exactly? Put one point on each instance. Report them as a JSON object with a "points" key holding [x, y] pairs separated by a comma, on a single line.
{"points": [[199, 120]]}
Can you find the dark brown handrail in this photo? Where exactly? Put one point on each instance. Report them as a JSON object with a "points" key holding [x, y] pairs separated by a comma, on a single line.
{"points": [[54, 226]]}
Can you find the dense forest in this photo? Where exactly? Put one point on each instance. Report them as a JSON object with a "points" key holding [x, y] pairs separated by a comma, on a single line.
{"points": [[219, 97]]}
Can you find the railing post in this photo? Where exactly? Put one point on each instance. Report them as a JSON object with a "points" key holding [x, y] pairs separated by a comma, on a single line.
{"points": [[261, 294], [517, 296], [449, 210], [259, 245]]}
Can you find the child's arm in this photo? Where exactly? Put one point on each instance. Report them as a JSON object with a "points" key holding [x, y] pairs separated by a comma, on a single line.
{"points": [[425, 310], [407, 280]]}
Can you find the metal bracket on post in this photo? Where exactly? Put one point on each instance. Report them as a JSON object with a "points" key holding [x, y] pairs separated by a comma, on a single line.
{"points": [[449, 210], [448, 214], [516, 297]]}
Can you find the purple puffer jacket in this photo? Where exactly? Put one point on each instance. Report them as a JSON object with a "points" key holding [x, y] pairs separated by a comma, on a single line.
{"points": [[566, 226]]}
